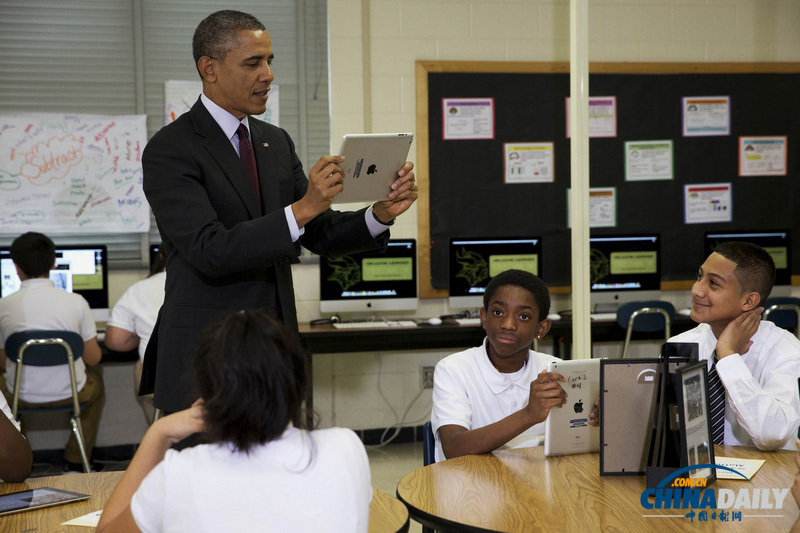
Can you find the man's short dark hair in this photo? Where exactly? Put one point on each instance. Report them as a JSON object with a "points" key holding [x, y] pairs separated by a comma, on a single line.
{"points": [[251, 376], [34, 253], [217, 33], [522, 279], [755, 268]]}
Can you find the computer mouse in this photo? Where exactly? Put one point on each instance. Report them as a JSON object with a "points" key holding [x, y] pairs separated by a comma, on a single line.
{"points": [[554, 316], [435, 321]]}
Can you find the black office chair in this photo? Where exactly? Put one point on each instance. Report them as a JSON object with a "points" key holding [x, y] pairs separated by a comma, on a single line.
{"points": [[644, 316], [49, 348], [784, 312]]}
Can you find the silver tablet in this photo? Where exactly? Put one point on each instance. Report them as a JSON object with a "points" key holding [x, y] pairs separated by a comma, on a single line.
{"points": [[567, 430], [371, 164]]}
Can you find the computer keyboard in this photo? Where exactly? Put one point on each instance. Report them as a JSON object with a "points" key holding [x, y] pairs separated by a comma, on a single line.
{"points": [[603, 316], [376, 324], [472, 321]]}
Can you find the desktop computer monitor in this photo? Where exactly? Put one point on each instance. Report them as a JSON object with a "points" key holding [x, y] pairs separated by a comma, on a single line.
{"points": [[370, 282], [777, 243], [624, 268], [82, 269], [473, 262]]}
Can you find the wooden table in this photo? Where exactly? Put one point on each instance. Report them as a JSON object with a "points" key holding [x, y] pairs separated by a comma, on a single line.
{"points": [[386, 513], [49, 519], [521, 490]]}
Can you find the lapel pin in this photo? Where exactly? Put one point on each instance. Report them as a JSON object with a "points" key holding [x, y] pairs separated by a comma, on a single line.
{"points": [[266, 145]]}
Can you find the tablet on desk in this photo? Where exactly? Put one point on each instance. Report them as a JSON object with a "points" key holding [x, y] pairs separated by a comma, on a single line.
{"points": [[371, 164], [566, 429], [28, 500]]}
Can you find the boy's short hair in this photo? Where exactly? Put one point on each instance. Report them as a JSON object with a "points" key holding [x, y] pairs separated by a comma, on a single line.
{"points": [[755, 268], [525, 280], [251, 376], [34, 253]]}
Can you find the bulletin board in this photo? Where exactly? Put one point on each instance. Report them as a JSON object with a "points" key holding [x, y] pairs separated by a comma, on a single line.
{"points": [[465, 193]]}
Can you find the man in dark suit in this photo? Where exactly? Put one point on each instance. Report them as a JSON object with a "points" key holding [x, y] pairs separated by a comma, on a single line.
{"points": [[231, 223]]}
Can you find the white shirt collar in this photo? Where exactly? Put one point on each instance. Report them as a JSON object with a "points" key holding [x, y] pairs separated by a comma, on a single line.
{"points": [[497, 381], [226, 121], [38, 282]]}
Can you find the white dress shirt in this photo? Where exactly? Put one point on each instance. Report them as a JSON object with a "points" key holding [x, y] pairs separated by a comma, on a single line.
{"points": [[762, 407]]}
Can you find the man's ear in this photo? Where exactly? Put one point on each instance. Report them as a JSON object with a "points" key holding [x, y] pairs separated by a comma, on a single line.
{"points": [[207, 69], [751, 301]]}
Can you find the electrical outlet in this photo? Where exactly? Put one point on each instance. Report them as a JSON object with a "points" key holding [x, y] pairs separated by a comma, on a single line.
{"points": [[426, 377]]}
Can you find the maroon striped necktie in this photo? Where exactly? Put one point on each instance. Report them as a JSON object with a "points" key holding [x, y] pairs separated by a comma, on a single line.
{"points": [[249, 161]]}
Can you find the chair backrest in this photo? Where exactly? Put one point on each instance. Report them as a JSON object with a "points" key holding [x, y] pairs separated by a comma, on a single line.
{"points": [[645, 322], [428, 444], [44, 350], [783, 311]]}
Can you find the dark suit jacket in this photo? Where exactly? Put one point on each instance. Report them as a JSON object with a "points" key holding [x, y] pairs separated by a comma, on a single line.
{"points": [[222, 256]]}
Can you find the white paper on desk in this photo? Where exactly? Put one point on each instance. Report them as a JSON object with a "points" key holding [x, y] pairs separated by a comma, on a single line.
{"points": [[746, 467], [88, 520]]}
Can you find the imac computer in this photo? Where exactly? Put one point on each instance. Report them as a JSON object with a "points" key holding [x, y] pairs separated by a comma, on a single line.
{"points": [[777, 243], [82, 269], [473, 262], [370, 282], [624, 268]]}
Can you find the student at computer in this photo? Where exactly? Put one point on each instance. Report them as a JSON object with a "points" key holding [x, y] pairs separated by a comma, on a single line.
{"points": [[133, 318], [498, 394], [259, 470], [758, 362], [39, 305], [15, 452]]}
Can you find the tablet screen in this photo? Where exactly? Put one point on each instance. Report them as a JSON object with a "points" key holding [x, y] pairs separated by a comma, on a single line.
{"points": [[36, 498]]}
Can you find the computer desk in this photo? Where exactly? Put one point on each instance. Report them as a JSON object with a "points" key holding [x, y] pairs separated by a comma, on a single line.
{"points": [[449, 335]]}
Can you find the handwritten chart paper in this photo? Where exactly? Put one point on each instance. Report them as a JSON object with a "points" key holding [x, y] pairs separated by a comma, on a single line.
{"points": [[72, 174]]}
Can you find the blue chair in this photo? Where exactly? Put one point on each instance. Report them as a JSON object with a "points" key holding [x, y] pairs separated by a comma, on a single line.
{"points": [[784, 312], [49, 348], [428, 444], [428, 453], [644, 316]]}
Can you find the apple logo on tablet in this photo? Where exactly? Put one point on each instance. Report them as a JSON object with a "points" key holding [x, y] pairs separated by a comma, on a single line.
{"points": [[579, 406], [372, 169]]}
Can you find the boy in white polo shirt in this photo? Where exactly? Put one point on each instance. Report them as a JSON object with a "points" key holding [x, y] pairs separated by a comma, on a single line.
{"points": [[498, 394], [39, 305]]}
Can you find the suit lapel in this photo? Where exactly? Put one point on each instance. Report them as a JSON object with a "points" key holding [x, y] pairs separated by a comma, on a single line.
{"points": [[223, 153]]}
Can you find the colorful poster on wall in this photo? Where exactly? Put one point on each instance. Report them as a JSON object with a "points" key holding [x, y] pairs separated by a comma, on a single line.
{"points": [[762, 156], [602, 116], [602, 207], [528, 162], [705, 116], [648, 160], [72, 174], [180, 96], [707, 202], [467, 118]]}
